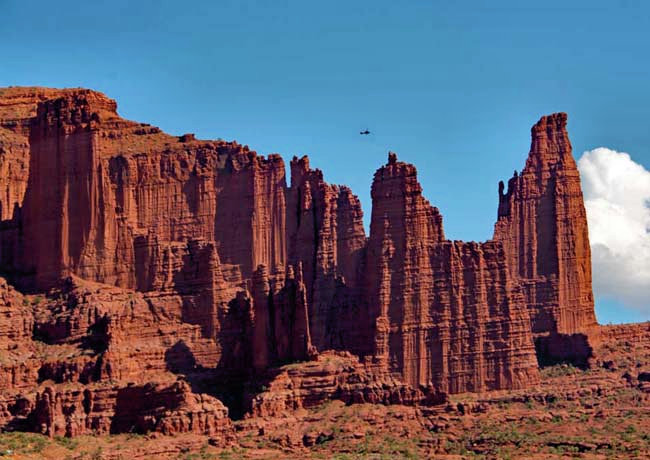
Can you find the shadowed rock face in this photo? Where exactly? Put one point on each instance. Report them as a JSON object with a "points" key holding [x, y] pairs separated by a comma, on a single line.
{"points": [[170, 258], [326, 236]]}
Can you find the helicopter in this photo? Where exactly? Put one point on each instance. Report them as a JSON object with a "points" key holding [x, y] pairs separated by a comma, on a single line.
{"points": [[364, 132]]}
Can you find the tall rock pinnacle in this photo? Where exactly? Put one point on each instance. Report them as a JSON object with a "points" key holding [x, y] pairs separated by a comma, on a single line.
{"points": [[434, 300], [245, 271], [543, 227]]}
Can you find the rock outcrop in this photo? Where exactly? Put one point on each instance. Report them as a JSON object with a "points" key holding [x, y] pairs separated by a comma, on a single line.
{"points": [[17, 107], [164, 276], [123, 192], [98, 182], [542, 224], [326, 236], [280, 319], [16, 318], [445, 313], [167, 409], [332, 376], [105, 360]]}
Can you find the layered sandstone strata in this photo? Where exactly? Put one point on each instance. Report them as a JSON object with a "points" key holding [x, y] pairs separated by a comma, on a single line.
{"points": [[164, 408], [445, 313], [326, 236], [542, 224], [155, 257], [113, 194], [280, 330], [126, 197], [332, 376], [17, 107], [98, 182], [105, 360], [16, 318]]}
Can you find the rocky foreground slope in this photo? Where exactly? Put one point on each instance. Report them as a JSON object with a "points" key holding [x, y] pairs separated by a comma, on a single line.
{"points": [[157, 283]]}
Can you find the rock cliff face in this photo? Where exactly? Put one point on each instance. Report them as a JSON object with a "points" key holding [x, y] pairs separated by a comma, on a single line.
{"points": [[105, 360], [332, 376], [17, 107], [124, 190], [167, 409], [326, 236], [16, 319], [542, 224], [281, 319], [182, 271], [434, 301], [98, 182]]}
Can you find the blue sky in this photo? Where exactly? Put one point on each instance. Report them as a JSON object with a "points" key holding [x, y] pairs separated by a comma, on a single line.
{"points": [[452, 87]]}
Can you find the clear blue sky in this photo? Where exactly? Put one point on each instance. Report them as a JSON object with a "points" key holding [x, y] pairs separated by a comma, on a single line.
{"points": [[453, 89]]}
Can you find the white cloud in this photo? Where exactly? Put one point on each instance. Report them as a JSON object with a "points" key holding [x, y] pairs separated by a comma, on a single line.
{"points": [[617, 199]]}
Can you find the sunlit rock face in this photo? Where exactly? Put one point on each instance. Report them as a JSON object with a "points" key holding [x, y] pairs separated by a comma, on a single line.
{"points": [[183, 271], [445, 313], [542, 224]]}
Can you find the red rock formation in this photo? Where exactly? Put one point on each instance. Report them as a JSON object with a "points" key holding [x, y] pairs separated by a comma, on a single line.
{"points": [[18, 364], [333, 376], [192, 260], [124, 189], [165, 408], [16, 318], [91, 336], [281, 319], [638, 333], [119, 182], [17, 107], [446, 314], [543, 226], [116, 180], [326, 236], [189, 269]]}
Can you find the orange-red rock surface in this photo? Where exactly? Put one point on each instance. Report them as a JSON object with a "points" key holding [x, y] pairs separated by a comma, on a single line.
{"points": [[161, 281], [332, 376], [446, 313], [17, 107], [542, 225]]}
